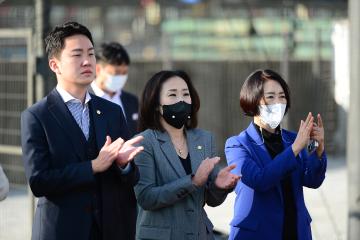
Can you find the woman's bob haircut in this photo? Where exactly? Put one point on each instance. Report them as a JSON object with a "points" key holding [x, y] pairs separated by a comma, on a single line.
{"points": [[252, 90]]}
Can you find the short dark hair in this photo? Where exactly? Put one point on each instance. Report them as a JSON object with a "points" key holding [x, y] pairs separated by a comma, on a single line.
{"points": [[54, 41], [253, 90], [112, 53], [149, 117]]}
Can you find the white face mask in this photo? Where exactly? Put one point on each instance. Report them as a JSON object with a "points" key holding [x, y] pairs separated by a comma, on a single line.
{"points": [[272, 114], [113, 83]]}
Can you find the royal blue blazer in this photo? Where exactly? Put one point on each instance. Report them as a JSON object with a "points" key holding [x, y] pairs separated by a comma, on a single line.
{"points": [[259, 208]]}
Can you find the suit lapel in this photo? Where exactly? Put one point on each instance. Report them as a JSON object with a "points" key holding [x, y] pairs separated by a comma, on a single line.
{"points": [[196, 150], [99, 120], [258, 143], [64, 118], [260, 147], [170, 153], [125, 107]]}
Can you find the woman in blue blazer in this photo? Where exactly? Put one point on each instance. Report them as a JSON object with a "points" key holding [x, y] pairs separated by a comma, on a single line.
{"points": [[274, 164], [177, 168]]}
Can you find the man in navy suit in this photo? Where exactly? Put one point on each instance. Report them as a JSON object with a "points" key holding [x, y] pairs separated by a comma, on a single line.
{"points": [[111, 75], [75, 155]]}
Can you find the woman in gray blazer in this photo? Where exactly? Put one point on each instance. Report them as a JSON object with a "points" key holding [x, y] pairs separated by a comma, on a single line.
{"points": [[177, 168]]}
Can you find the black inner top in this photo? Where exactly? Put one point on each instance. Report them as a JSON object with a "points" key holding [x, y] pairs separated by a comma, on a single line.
{"points": [[274, 145], [186, 163]]}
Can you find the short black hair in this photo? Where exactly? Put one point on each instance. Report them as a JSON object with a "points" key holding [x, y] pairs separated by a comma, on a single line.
{"points": [[149, 117], [253, 90], [112, 53], [54, 41]]}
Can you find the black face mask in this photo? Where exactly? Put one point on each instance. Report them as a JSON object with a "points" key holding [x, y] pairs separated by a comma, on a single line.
{"points": [[177, 114]]}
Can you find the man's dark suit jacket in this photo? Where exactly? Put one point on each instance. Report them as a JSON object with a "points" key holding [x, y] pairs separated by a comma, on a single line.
{"points": [[131, 107], [130, 104], [60, 175]]}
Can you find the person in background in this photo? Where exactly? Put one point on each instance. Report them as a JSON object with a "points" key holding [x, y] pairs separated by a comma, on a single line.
{"points": [[4, 185], [178, 173], [274, 164], [74, 151], [111, 76]]}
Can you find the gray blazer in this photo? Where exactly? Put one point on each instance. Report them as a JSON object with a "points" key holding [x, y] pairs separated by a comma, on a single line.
{"points": [[171, 207]]}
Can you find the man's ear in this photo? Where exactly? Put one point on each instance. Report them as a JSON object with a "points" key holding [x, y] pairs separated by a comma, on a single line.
{"points": [[98, 69], [54, 65]]}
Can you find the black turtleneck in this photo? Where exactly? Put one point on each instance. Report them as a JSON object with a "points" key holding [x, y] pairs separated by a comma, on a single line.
{"points": [[274, 145]]}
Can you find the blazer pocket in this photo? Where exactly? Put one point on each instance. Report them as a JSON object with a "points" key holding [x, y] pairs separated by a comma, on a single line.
{"points": [[147, 232], [247, 224]]}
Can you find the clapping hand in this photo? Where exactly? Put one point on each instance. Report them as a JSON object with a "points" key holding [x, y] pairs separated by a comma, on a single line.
{"points": [[303, 135], [107, 155], [203, 171], [128, 151], [225, 179], [317, 134]]}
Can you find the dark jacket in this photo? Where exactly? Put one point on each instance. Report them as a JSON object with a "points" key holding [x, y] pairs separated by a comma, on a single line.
{"points": [[131, 107], [130, 104], [61, 176]]}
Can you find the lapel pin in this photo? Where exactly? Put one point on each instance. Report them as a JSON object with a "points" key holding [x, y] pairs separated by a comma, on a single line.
{"points": [[199, 147], [98, 112]]}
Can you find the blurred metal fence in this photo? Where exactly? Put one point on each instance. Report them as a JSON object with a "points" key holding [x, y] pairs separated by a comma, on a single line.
{"points": [[15, 84], [16, 93]]}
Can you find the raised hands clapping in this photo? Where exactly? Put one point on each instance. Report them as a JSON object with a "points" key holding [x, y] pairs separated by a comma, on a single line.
{"points": [[119, 151], [224, 180], [303, 135], [204, 170], [317, 134], [309, 130], [129, 150]]}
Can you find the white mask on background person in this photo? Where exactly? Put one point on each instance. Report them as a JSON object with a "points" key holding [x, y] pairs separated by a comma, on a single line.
{"points": [[272, 114], [113, 83]]}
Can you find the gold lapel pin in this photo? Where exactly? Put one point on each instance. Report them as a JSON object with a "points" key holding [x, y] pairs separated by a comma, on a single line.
{"points": [[98, 112], [199, 147]]}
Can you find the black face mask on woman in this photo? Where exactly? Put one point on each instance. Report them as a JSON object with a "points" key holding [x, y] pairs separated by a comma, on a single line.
{"points": [[177, 114]]}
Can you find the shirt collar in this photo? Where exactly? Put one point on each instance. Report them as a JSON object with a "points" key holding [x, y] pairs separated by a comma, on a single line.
{"points": [[100, 93], [66, 96]]}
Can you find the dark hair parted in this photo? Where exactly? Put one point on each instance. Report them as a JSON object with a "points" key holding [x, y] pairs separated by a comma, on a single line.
{"points": [[112, 53], [54, 41], [149, 117], [252, 91]]}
